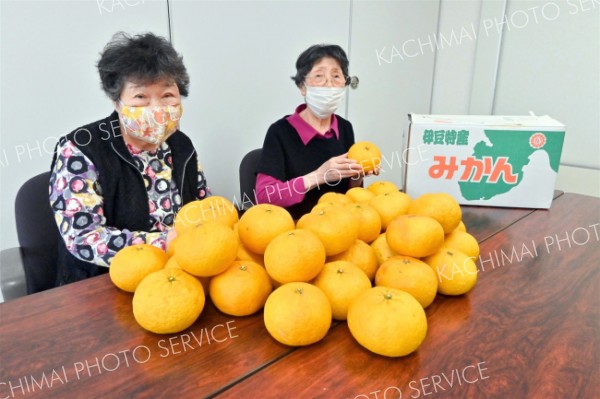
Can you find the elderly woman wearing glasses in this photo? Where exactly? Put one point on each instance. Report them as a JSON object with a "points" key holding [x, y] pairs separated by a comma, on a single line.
{"points": [[120, 180], [304, 154]]}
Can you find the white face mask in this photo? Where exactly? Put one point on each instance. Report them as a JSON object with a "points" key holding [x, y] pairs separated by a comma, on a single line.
{"points": [[323, 101]]}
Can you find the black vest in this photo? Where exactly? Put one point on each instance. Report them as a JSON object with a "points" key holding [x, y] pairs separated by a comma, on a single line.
{"points": [[284, 157], [123, 187]]}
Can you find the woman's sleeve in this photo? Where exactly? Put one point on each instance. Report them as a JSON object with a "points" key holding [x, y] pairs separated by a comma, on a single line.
{"points": [[203, 189], [77, 202], [269, 190], [272, 185]]}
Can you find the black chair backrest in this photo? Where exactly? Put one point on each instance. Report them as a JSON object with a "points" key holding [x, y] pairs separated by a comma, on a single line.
{"points": [[248, 177], [37, 233]]}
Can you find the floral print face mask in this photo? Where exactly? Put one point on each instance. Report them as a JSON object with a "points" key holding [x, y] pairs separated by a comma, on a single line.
{"points": [[151, 124]]}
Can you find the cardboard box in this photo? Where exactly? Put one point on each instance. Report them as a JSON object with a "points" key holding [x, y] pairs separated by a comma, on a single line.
{"points": [[509, 161]]}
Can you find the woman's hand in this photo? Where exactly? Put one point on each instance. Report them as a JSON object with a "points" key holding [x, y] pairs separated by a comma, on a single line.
{"points": [[358, 181], [332, 172]]}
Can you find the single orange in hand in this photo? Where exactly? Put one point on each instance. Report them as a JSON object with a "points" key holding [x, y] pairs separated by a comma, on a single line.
{"points": [[367, 154]]}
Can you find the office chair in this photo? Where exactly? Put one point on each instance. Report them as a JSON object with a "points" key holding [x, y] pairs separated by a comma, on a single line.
{"points": [[12, 276], [37, 234], [248, 178]]}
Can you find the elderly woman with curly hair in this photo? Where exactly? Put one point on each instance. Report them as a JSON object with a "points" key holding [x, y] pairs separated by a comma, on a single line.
{"points": [[120, 180]]}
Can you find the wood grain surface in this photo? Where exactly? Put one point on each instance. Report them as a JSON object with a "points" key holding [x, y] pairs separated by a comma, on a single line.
{"points": [[529, 329], [82, 325]]}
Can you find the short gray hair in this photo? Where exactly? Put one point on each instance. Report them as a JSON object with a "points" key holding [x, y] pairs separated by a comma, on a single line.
{"points": [[144, 58], [313, 54]]}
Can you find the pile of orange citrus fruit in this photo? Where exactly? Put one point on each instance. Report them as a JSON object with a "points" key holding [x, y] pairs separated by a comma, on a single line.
{"points": [[373, 256]]}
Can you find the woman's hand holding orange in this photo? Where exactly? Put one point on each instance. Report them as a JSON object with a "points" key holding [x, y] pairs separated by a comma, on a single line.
{"points": [[332, 171]]}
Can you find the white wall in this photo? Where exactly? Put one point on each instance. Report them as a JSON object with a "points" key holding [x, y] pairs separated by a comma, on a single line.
{"points": [[552, 67], [49, 82], [455, 59], [240, 56], [393, 81], [550, 64], [539, 56]]}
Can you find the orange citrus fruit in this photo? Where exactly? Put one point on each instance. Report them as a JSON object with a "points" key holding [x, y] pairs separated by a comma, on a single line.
{"points": [[366, 154], [300, 221], [360, 195], [462, 241], [334, 197], [240, 290], [456, 272], [297, 314], [415, 236], [296, 255], [389, 206], [440, 206], [172, 263], [461, 227], [411, 275], [382, 187], [387, 321], [326, 204], [382, 249], [168, 301], [244, 254], [369, 221], [208, 209], [131, 264], [220, 209], [360, 254], [189, 215], [261, 223], [342, 282], [206, 249], [335, 226]]}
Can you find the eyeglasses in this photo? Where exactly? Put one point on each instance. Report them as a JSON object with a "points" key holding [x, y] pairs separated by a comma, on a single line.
{"points": [[320, 79]]}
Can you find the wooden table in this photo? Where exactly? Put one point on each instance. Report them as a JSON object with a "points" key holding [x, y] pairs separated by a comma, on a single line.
{"points": [[529, 329]]}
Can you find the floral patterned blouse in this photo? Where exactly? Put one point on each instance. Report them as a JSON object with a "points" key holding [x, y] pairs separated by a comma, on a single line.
{"points": [[76, 199]]}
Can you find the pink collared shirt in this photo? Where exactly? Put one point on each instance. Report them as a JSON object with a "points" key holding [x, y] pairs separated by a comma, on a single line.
{"points": [[292, 191], [307, 132]]}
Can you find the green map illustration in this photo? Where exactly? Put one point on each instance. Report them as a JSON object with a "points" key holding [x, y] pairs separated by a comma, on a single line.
{"points": [[515, 146]]}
